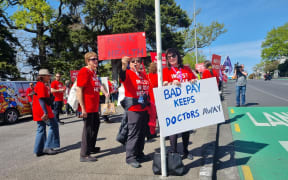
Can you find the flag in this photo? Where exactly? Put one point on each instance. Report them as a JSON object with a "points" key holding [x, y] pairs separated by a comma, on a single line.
{"points": [[227, 63]]}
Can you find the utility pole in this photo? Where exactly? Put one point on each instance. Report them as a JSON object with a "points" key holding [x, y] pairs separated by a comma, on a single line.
{"points": [[195, 31], [159, 69]]}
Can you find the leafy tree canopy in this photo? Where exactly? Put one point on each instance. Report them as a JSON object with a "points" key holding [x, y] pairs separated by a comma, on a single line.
{"points": [[276, 43]]}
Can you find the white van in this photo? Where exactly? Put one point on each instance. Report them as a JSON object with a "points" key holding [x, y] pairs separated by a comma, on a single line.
{"points": [[13, 100]]}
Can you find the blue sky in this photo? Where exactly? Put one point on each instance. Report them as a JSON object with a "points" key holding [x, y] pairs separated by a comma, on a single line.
{"points": [[247, 23]]}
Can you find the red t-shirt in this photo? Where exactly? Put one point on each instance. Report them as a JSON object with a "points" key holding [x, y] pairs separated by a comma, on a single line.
{"points": [[58, 95], [41, 91], [91, 88], [174, 73], [136, 85], [110, 87], [207, 74], [28, 91], [153, 79]]}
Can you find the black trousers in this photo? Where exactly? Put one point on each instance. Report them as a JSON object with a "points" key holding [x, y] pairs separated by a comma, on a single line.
{"points": [[137, 127], [185, 140], [57, 109], [89, 134]]}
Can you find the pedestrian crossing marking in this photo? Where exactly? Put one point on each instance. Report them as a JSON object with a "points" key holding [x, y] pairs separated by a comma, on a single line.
{"points": [[284, 144], [237, 127], [232, 111], [247, 173]]}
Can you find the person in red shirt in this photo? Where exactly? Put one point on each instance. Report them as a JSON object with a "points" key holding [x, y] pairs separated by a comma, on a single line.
{"points": [[88, 88], [153, 80], [57, 89], [136, 85], [209, 72], [30, 93], [174, 74], [43, 115]]}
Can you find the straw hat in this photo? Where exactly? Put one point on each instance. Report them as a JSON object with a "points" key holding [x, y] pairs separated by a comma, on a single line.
{"points": [[43, 72]]}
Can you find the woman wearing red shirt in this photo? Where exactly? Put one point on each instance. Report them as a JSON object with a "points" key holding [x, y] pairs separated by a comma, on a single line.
{"points": [[136, 85], [88, 88], [153, 79], [174, 74], [43, 115]]}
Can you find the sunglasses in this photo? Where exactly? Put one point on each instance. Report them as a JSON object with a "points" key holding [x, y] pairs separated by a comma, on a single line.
{"points": [[93, 59], [173, 56], [135, 61]]}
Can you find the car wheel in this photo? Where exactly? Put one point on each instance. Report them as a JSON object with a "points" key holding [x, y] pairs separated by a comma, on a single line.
{"points": [[11, 116]]}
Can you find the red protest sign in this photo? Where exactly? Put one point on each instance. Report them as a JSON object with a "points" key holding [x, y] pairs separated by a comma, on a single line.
{"points": [[73, 74], [118, 45], [154, 58], [216, 60], [200, 67]]}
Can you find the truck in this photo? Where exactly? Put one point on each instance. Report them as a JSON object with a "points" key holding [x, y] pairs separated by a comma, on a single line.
{"points": [[13, 101]]}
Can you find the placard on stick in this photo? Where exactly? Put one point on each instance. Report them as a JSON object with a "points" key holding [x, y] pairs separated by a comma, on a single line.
{"points": [[118, 45], [189, 106]]}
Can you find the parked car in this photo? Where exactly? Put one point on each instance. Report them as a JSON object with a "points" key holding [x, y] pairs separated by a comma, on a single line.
{"points": [[13, 100]]}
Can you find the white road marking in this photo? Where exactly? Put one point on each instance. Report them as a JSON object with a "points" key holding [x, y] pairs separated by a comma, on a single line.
{"points": [[269, 94], [284, 144]]}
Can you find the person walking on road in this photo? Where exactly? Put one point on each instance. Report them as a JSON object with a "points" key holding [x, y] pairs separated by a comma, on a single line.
{"points": [[88, 88], [241, 81], [30, 93], [136, 85], [174, 74], [57, 89], [43, 115]]}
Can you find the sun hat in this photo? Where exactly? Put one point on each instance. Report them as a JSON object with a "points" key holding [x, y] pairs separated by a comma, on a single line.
{"points": [[43, 72]]}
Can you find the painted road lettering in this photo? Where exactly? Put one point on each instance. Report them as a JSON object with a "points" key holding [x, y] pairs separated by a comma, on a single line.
{"points": [[274, 119]]}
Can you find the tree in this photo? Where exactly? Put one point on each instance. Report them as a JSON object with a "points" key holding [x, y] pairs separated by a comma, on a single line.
{"points": [[190, 57], [114, 16], [276, 43], [8, 42], [33, 16], [205, 35]]}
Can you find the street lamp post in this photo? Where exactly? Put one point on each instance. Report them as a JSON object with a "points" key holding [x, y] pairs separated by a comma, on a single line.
{"points": [[195, 31]]}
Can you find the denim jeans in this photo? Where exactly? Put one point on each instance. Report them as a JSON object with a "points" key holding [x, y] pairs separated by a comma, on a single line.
{"points": [[51, 141], [240, 90]]}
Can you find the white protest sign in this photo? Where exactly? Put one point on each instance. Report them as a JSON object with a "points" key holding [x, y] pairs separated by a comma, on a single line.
{"points": [[104, 82], [189, 106]]}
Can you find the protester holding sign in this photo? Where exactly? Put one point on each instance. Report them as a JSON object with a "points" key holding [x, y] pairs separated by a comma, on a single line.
{"points": [[174, 74], [209, 72], [88, 88], [136, 85]]}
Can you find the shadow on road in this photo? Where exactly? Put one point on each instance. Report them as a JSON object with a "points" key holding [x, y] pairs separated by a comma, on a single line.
{"points": [[248, 147]]}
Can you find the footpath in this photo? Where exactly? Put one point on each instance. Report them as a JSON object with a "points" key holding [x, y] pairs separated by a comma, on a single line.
{"points": [[111, 159]]}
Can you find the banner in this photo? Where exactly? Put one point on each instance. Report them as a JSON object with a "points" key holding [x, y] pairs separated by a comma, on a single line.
{"points": [[73, 74], [118, 45], [216, 60], [189, 106], [200, 67], [154, 58]]}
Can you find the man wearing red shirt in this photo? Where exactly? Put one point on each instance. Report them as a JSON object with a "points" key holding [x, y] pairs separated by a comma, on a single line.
{"points": [[57, 89], [30, 93]]}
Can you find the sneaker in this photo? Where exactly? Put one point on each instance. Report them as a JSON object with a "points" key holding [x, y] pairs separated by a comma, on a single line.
{"points": [[237, 105], [188, 156], [87, 159], [134, 164], [50, 151], [39, 154], [95, 150]]}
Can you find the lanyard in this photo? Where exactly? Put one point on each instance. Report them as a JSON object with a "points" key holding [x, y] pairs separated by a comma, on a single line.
{"points": [[179, 76]]}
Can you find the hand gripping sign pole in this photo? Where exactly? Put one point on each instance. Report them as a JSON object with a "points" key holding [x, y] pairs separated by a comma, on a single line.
{"points": [[159, 69]]}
